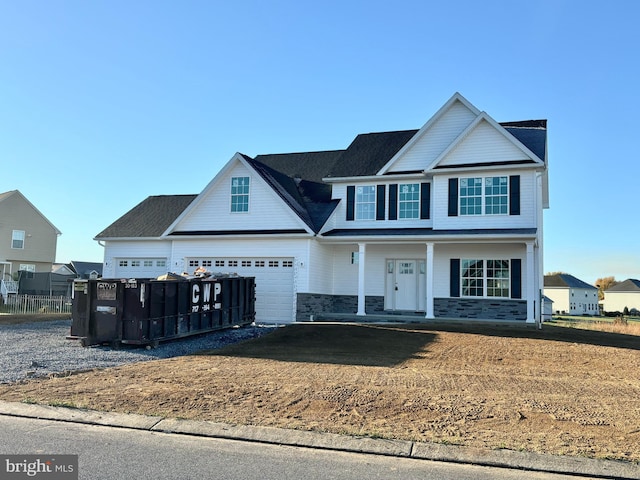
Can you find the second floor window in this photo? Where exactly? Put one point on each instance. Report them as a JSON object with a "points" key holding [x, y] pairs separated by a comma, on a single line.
{"points": [[366, 203], [17, 239], [240, 194], [409, 200], [496, 193], [484, 196]]}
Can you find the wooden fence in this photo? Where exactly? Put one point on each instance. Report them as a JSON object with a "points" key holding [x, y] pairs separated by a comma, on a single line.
{"points": [[28, 304]]}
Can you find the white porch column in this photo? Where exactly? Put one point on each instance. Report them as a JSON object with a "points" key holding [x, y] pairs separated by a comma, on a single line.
{"points": [[429, 282], [531, 284], [361, 264]]}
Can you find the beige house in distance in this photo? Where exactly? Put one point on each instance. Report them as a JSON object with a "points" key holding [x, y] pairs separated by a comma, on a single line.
{"points": [[624, 294], [28, 240]]}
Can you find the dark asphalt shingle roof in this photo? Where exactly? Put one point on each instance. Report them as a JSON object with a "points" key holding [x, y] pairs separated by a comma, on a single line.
{"points": [[369, 152], [312, 166], [564, 280], [85, 268], [311, 201], [297, 179], [532, 134], [150, 218], [629, 285]]}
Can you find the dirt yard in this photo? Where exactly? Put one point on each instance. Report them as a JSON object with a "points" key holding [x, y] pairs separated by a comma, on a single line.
{"points": [[560, 390]]}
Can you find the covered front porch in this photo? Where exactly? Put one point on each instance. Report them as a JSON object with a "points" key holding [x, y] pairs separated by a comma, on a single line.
{"points": [[443, 280]]}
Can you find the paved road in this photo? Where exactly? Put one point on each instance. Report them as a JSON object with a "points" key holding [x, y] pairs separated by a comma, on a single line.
{"points": [[117, 453]]}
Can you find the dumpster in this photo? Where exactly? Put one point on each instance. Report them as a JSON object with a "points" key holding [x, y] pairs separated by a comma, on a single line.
{"points": [[149, 311]]}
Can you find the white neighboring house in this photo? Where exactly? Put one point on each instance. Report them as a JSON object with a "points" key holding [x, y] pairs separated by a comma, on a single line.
{"points": [[570, 295], [441, 222], [624, 294]]}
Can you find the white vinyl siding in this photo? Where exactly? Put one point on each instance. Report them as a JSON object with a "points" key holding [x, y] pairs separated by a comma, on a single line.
{"points": [[213, 211], [435, 140], [483, 145], [140, 267], [616, 301]]}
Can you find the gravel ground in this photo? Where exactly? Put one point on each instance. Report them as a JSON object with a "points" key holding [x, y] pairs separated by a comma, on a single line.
{"points": [[39, 349]]}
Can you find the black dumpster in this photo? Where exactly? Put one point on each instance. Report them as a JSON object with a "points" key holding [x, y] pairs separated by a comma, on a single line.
{"points": [[148, 311]]}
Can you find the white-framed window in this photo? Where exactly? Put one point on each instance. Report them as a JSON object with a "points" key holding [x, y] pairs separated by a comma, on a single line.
{"points": [[123, 263], [194, 263], [472, 278], [17, 239], [260, 263], [219, 263], [206, 263], [246, 263], [135, 263], [498, 279], [240, 194], [161, 263], [471, 196], [147, 263], [28, 268], [409, 200], [485, 278], [496, 196], [484, 195], [355, 258], [365, 202], [274, 263], [233, 263], [287, 263]]}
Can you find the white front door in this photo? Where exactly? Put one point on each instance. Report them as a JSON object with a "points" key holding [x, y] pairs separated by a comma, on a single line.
{"points": [[406, 285]]}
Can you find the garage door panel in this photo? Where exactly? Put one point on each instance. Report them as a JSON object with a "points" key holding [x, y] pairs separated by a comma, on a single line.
{"points": [[274, 283]]}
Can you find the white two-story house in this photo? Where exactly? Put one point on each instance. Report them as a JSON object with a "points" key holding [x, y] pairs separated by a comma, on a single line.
{"points": [[443, 222]]}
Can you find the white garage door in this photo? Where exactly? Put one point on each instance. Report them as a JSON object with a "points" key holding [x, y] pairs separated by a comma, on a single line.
{"points": [[274, 283], [140, 267]]}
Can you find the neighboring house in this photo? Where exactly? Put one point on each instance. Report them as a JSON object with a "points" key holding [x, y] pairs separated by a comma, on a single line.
{"points": [[28, 241], [441, 222], [570, 295], [621, 295], [86, 270]]}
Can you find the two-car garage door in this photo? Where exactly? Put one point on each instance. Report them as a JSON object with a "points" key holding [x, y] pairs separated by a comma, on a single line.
{"points": [[274, 280]]}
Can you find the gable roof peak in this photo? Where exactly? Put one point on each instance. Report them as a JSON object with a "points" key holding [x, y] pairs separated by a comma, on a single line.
{"points": [[455, 98]]}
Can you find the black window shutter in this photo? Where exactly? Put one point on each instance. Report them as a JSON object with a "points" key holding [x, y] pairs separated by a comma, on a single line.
{"points": [[351, 199], [454, 279], [380, 194], [425, 201], [453, 197], [393, 202], [516, 278], [514, 195]]}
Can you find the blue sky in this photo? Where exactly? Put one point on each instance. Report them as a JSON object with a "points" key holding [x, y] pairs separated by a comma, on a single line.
{"points": [[103, 103]]}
